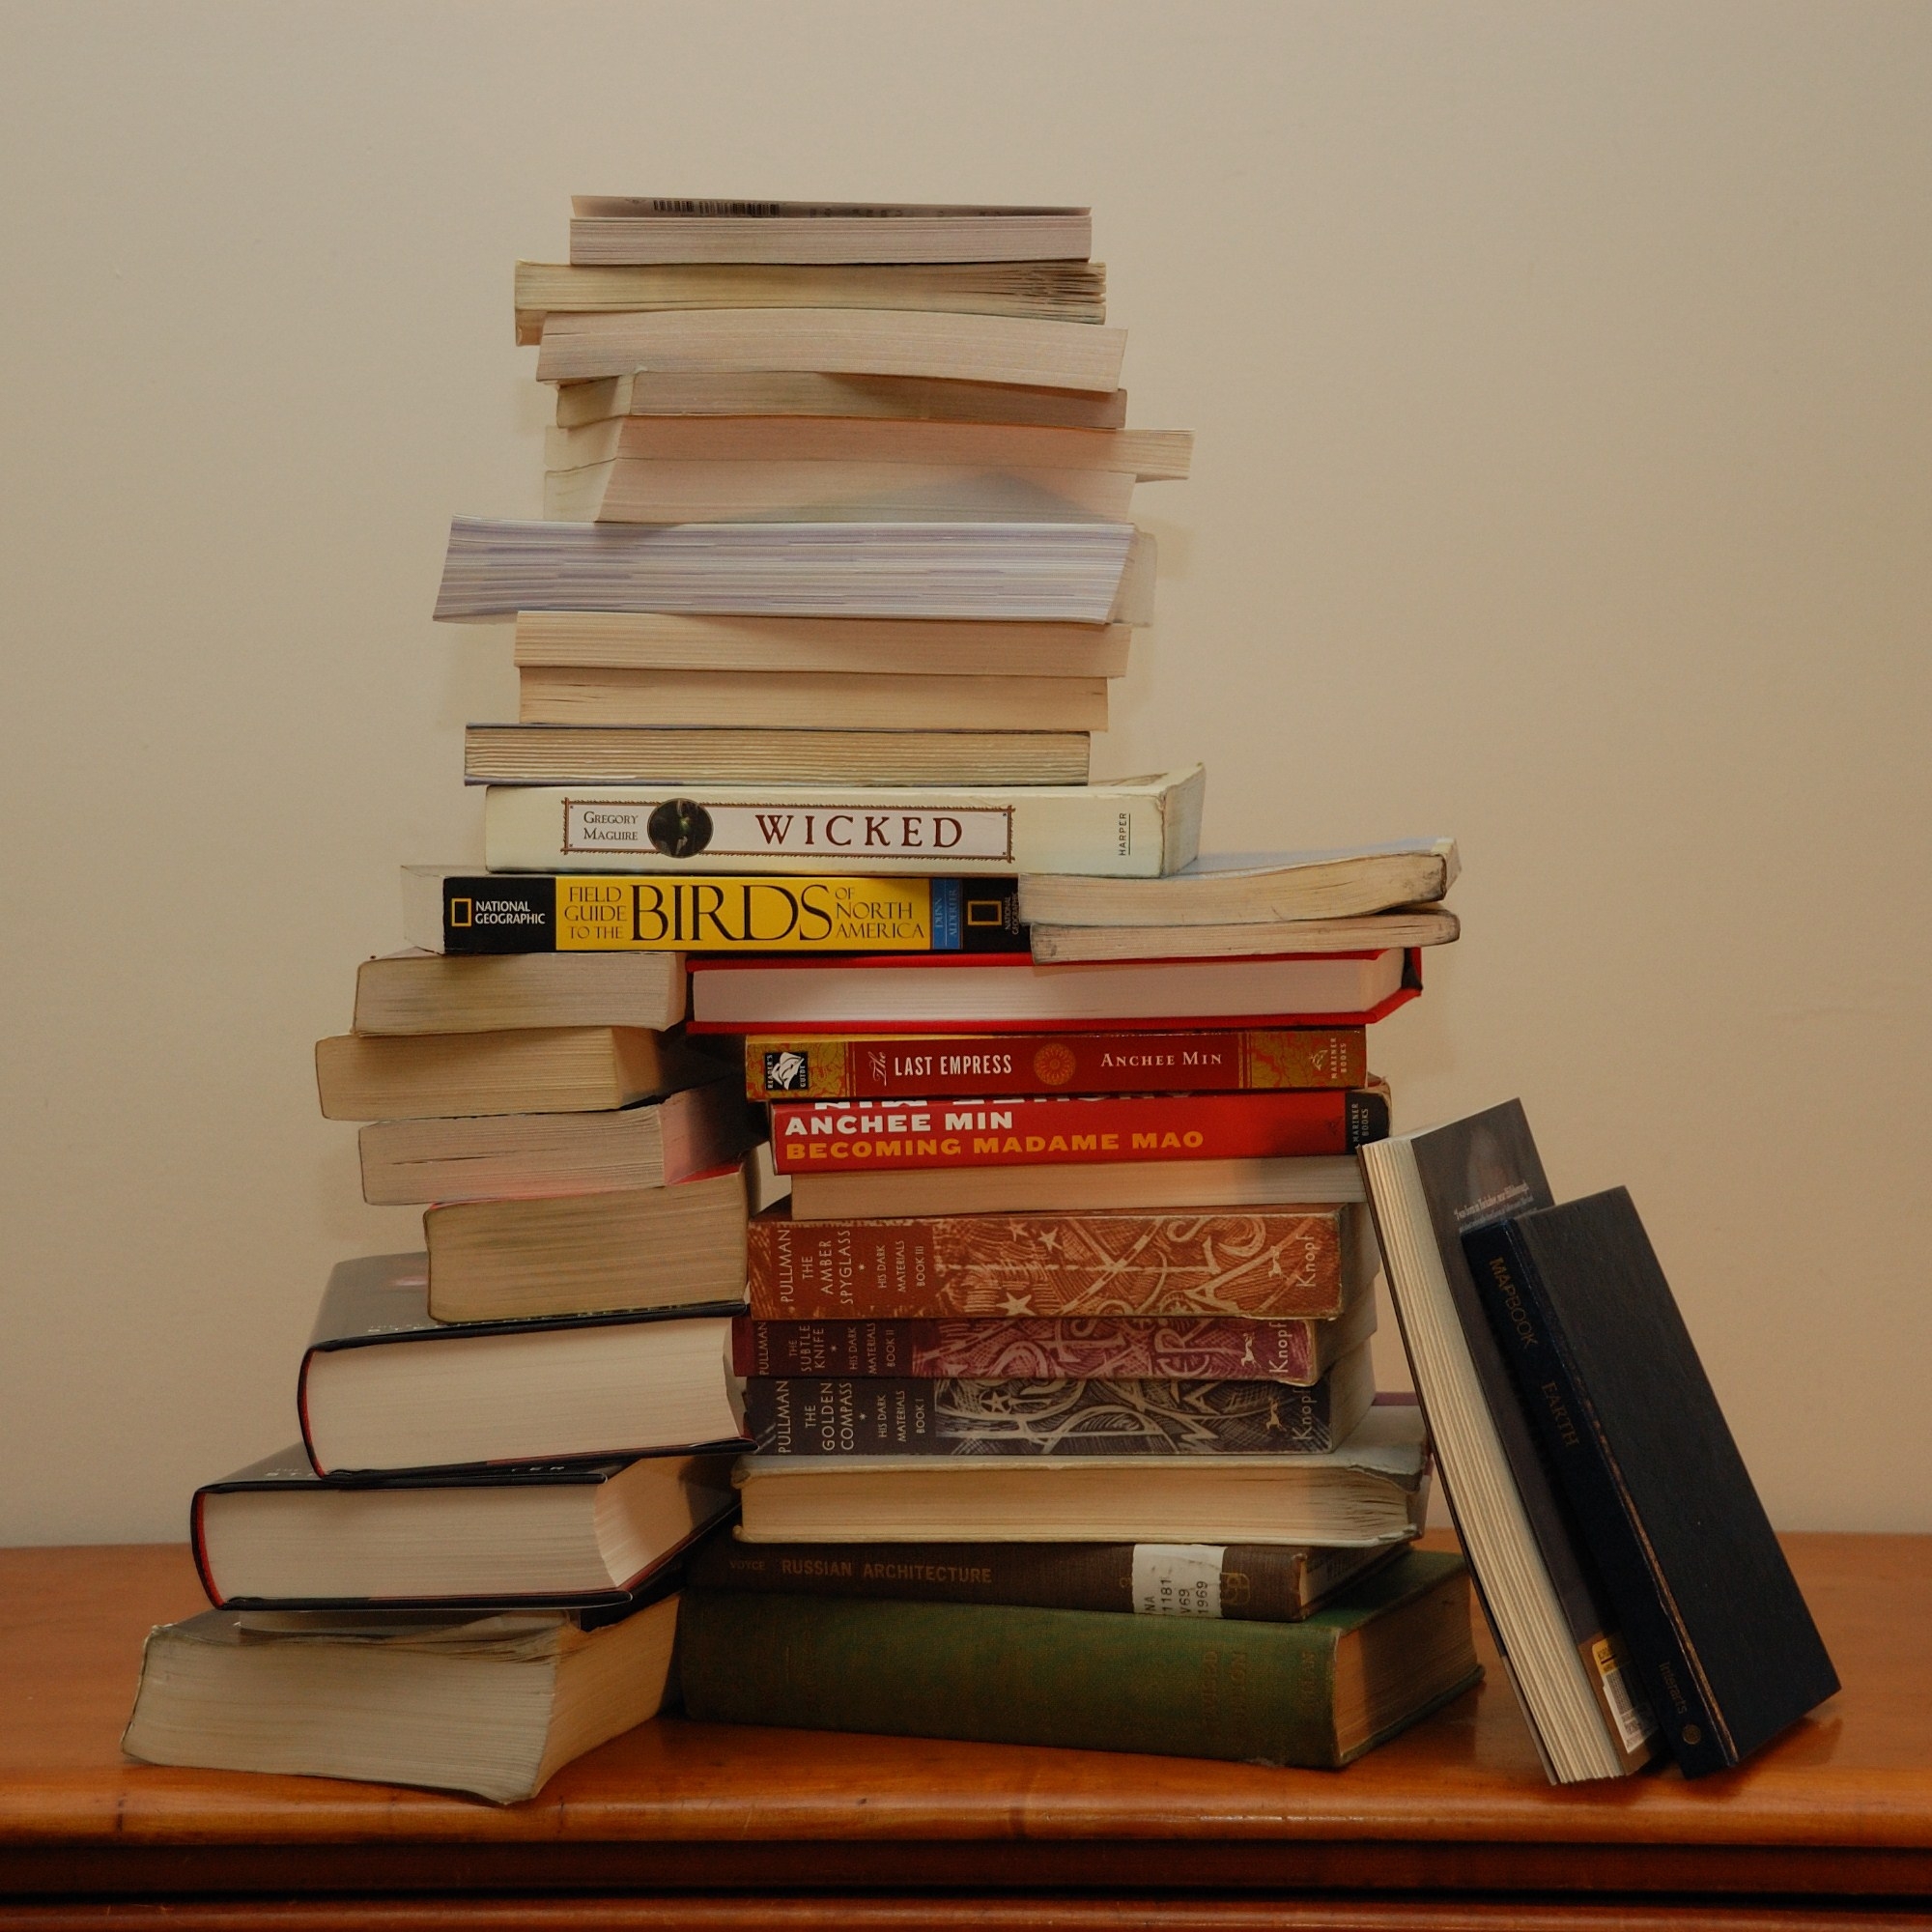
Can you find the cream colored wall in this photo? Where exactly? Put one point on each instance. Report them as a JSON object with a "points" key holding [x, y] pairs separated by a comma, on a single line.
{"points": [[1563, 481]]}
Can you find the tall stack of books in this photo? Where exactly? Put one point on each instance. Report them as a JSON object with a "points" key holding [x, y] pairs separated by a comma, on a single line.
{"points": [[1073, 1289]]}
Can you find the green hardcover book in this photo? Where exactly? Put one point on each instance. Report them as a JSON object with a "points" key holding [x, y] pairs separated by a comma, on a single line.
{"points": [[1316, 1694]]}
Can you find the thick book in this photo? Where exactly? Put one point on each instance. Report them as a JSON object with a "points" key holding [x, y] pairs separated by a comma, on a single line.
{"points": [[604, 1252], [819, 1135], [655, 1144], [275, 1536], [809, 392], [679, 228], [1276, 1264], [1244, 1582], [1044, 573], [1320, 1692], [1126, 826], [958, 994], [385, 1387], [920, 1066], [1248, 888], [786, 701], [836, 342], [517, 1070], [904, 648], [1004, 1348], [1365, 932], [1610, 1379], [1372, 1490], [454, 912], [488, 1703], [422, 992], [1554, 1621], [1042, 291], [1132, 1186], [684, 756]]}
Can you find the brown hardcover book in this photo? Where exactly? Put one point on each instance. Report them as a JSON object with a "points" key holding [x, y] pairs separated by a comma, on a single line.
{"points": [[1276, 1263], [1251, 1582]]}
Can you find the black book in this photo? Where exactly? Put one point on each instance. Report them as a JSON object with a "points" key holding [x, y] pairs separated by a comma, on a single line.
{"points": [[603, 1536], [1609, 1377], [386, 1388]]}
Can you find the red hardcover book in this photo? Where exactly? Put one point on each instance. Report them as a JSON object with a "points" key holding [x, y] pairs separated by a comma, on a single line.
{"points": [[923, 1066], [827, 1135], [1268, 1261], [896, 993]]}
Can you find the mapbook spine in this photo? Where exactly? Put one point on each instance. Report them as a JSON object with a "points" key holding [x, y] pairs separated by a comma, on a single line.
{"points": [[1065, 1132], [798, 1415], [1255, 1060], [1275, 1262]]}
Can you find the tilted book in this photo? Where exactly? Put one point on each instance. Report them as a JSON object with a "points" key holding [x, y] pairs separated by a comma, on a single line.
{"points": [[1129, 828]]}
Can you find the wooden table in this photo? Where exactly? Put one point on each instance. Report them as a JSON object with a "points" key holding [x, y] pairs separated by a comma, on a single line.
{"points": [[682, 1825]]}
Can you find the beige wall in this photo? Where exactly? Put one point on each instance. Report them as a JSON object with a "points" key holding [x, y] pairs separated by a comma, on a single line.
{"points": [[1563, 481]]}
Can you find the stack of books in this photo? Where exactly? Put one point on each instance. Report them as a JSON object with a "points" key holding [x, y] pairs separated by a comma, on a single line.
{"points": [[1067, 1313]]}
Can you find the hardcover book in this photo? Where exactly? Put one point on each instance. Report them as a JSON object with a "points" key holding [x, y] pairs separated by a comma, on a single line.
{"points": [[1139, 826], [920, 1066], [916, 1134], [1319, 1692], [1274, 1263], [1251, 1582], [910, 1417], [457, 913], [1610, 1380]]}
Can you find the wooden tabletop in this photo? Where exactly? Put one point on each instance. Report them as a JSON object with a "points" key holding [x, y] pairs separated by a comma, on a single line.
{"points": [[1842, 1804]]}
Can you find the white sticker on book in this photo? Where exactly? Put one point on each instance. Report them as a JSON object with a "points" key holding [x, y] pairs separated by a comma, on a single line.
{"points": [[1634, 1724], [1178, 1580]]}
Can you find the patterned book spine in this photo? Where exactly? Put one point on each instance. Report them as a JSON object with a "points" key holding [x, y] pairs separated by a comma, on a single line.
{"points": [[795, 1415], [827, 1135], [1209, 1349], [1273, 1262], [997, 1065]]}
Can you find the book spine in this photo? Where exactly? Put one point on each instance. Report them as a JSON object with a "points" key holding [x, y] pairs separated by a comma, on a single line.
{"points": [[1507, 1280], [1268, 1263], [1176, 1685], [1074, 1132], [998, 1065], [799, 1416], [1211, 1348], [495, 913], [1249, 1583]]}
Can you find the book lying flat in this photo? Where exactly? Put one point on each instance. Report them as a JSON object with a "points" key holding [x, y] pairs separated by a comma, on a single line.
{"points": [[836, 342], [862, 646], [671, 228], [1244, 888], [385, 1388], [1610, 1380], [1312, 1261], [491, 1704], [907, 1415], [275, 1536], [423, 992], [452, 912], [1374, 1490], [963, 994], [1131, 826], [1134, 1186], [868, 1066], [900, 1135], [1410, 925], [1045, 290], [1320, 1692], [786, 701], [686, 757], [1251, 1582], [810, 393], [1040, 572]]}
